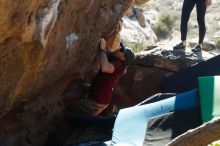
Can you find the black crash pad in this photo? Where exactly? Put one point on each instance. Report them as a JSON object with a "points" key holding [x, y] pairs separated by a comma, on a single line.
{"points": [[186, 80]]}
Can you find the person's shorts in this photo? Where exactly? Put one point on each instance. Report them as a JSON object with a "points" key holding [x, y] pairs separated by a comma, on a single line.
{"points": [[90, 107]]}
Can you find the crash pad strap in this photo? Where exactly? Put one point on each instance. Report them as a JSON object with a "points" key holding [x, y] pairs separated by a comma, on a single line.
{"points": [[209, 91]]}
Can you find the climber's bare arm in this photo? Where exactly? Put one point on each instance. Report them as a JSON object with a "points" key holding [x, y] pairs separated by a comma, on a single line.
{"points": [[105, 65]]}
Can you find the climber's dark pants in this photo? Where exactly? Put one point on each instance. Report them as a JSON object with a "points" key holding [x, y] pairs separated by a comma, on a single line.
{"points": [[187, 8]]}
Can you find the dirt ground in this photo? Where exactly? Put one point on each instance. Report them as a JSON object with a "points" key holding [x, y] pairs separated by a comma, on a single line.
{"points": [[173, 8]]}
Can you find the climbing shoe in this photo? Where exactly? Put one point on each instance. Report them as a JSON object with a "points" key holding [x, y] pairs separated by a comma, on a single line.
{"points": [[180, 46], [197, 49]]}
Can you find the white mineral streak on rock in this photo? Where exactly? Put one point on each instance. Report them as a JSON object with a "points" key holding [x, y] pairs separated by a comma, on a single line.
{"points": [[49, 20], [70, 40], [89, 6]]}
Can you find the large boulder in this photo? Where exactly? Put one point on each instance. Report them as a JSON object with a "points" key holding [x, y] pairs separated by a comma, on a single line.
{"points": [[200, 136], [144, 77], [45, 44], [137, 30], [135, 36]]}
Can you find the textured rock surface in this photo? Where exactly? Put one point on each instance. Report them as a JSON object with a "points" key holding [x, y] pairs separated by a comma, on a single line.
{"points": [[200, 136], [44, 44], [140, 2], [137, 30], [135, 36]]}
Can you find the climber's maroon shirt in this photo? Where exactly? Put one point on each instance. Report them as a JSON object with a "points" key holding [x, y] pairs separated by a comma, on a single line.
{"points": [[103, 83]]}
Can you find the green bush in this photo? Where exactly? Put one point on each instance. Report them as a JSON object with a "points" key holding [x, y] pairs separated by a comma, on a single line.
{"points": [[217, 43], [164, 27], [137, 47], [161, 30], [168, 21]]}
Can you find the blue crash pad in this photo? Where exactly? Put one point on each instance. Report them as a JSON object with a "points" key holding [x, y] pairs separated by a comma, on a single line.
{"points": [[131, 123]]}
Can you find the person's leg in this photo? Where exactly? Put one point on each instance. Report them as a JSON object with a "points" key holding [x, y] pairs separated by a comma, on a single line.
{"points": [[186, 11], [187, 7], [90, 107], [201, 10]]}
